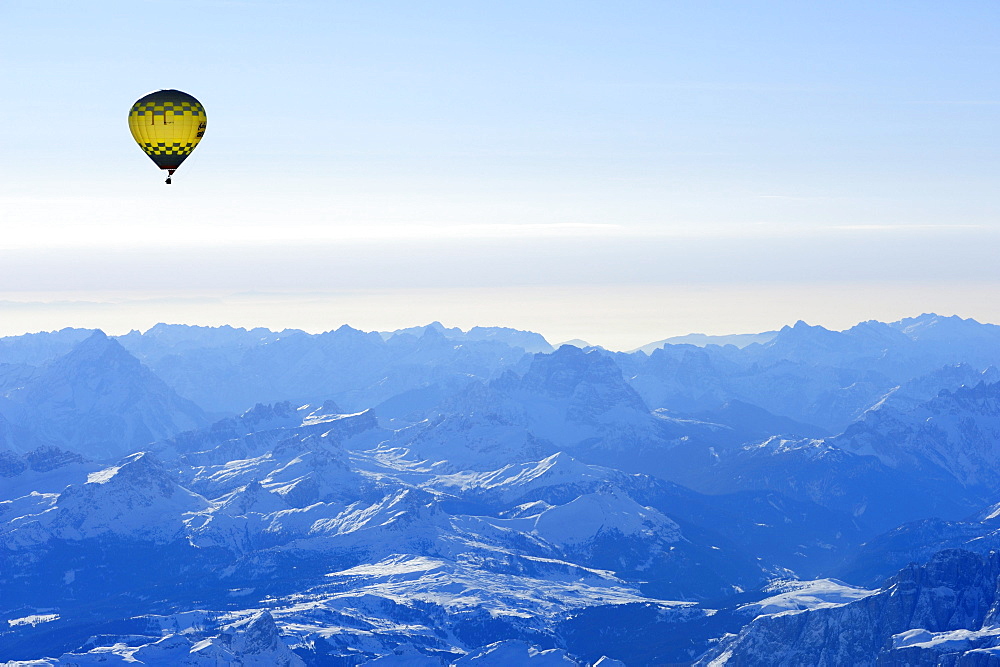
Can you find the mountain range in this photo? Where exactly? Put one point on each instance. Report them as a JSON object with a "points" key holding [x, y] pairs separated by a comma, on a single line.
{"points": [[433, 496]]}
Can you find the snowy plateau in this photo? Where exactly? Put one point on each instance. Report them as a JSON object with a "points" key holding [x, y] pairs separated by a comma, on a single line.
{"points": [[432, 496]]}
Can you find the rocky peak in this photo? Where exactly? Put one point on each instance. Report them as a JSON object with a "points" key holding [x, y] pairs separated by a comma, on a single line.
{"points": [[141, 473], [878, 333], [931, 326], [570, 372], [252, 498], [39, 348], [806, 342], [256, 640], [100, 401], [46, 458], [956, 590], [264, 416]]}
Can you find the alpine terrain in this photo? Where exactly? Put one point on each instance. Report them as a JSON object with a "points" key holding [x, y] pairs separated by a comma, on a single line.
{"points": [[432, 496]]}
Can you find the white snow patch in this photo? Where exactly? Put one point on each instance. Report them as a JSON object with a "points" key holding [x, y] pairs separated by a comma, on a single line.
{"points": [[796, 596], [952, 641], [33, 620], [102, 476]]}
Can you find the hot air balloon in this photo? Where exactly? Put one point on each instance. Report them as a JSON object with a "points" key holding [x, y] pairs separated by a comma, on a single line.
{"points": [[167, 125]]}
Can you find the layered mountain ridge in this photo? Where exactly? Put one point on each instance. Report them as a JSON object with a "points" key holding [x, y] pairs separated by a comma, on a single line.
{"points": [[191, 495]]}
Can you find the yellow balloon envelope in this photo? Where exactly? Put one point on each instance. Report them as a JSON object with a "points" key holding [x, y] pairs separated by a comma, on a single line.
{"points": [[167, 125]]}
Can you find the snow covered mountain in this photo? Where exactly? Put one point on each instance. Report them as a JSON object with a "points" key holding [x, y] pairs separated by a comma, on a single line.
{"points": [[527, 340], [433, 496], [229, 371], [96, 400], [940, 454], [943, 612], [811, 374], [569, 400], [701, 340], [818, 471], [39, 348], [311, 516], [956, 433], [325, 506]]}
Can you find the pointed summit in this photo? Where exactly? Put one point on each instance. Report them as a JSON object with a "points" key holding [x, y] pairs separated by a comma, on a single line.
{"points": [[39, 348], [256, 640], [95, 353], [346, 329], [95, 335], [136, 497], [141, 471], [433, 331], [252, 498], [100, 401], [801, 331]]}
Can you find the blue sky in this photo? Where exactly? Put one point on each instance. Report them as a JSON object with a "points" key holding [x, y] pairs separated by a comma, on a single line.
{"points": [[618, 172]]}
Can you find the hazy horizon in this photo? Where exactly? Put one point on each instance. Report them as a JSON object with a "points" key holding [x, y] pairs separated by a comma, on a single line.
{"points": [[614, 173], [117, 314]]}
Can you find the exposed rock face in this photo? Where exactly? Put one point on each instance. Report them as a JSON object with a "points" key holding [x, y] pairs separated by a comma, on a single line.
{"points": [[913, 620], [45, 459], [42, 459], [515, 652], [957, 433], [227, 370], [99, 401], [136, 498], [569, 400], [474, 504]]}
